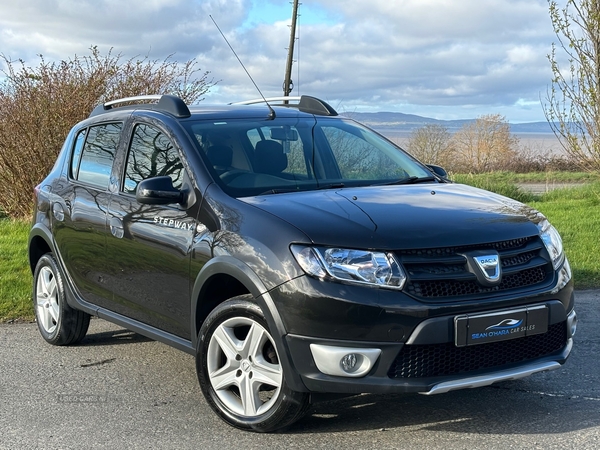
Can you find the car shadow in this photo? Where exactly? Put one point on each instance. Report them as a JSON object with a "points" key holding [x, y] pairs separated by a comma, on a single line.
{"points": [[113, 337], [510, 408]]}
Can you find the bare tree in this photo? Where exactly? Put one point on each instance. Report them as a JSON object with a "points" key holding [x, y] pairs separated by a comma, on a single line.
{"points": [[483, 145], [573, 101], [39, 105], [430, 144]]}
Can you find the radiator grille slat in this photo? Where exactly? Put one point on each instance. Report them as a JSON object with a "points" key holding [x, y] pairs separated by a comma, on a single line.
{"points": [[423, 361]]}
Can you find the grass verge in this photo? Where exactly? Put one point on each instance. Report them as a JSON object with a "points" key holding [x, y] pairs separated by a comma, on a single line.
{"points": [[549, 177], [575, 213], [15, 276], [498, 184]]}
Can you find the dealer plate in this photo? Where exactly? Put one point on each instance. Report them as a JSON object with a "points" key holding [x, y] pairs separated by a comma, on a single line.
{"points": [[473, 329]]}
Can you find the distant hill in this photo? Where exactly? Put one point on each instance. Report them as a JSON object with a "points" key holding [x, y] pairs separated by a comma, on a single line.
{"points": [[406, 123]]}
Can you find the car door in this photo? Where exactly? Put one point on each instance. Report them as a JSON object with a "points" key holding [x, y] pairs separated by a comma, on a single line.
{"points": [[80, 202], [150, 244]]}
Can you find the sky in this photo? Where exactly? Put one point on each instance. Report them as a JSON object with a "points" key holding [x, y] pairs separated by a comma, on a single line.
{"points": [[445, 59]]}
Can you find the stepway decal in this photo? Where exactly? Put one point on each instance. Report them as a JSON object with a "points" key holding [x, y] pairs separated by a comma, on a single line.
{"points": [[174, 223]]}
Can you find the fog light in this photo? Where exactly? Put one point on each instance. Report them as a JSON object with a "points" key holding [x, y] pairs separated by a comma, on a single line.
{"points": [[349, 362], [344, 361]]}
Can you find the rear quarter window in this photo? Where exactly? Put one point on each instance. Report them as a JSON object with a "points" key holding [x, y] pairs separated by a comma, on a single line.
{"points": [[76, 158]]}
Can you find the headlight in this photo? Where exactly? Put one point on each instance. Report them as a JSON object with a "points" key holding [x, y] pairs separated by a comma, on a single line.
{"points": [[353, 266], [553, 242]]}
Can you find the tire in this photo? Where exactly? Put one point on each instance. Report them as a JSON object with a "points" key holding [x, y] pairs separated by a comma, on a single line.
{"points": [[59, 324], [239, 371]]}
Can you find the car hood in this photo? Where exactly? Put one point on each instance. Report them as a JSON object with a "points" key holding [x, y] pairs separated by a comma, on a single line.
{"points": [[407, 217]]}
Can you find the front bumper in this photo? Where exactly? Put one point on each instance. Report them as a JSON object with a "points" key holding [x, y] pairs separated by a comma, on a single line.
{"points": [[341, 316], [383, 378]]}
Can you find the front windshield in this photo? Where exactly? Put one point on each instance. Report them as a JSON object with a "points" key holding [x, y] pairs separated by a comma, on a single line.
{"points": [[283, 155]]}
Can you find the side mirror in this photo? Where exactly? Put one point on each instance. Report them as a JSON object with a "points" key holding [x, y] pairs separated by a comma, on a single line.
{"points": [[439, 171], [158, 191]]}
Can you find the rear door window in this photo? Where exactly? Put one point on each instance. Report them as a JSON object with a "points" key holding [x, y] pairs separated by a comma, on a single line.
{"points": [[97, 156]]}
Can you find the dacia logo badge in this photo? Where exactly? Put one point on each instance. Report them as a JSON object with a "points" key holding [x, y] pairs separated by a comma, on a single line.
{"points": [[486, 266], [489, 266]]}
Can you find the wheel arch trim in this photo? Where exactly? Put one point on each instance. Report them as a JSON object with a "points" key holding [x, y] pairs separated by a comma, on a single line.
{"points": [[228, 265], [40, 231]]}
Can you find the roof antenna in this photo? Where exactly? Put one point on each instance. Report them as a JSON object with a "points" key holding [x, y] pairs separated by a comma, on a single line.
{"points": [[272, 111]]}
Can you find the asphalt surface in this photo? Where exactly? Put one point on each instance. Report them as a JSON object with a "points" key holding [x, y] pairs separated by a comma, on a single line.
{"points": [[119, 390]]}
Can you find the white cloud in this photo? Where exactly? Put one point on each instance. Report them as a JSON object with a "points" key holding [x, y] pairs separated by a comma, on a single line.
{"points": [[430, 57]]}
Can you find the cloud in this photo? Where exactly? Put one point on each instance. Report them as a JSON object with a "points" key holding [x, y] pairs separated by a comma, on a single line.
{"points": [[59, 28], [420, 56]]}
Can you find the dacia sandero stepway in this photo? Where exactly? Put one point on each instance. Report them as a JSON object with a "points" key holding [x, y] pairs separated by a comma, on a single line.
{"points": [[294, 252]]}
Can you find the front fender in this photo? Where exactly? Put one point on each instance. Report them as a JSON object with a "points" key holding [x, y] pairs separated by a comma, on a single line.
{"points": [[228, 265]]}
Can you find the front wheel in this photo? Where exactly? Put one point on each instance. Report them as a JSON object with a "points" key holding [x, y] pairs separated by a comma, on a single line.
{"points": [[240, 372], [59, 324]]}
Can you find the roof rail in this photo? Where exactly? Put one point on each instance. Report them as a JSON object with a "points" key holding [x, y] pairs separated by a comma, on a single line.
{"points": [[166, 103], [267, 100], [133, 99], [305, 103]]}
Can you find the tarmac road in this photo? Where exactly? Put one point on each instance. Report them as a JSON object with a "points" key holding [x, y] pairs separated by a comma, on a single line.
{"points": [[119, 390]]}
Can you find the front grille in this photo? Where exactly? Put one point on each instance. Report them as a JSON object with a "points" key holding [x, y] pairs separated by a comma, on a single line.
{"points": [[442, 273], [522, 258], [501, 245], [453, 288], [423, 361]]}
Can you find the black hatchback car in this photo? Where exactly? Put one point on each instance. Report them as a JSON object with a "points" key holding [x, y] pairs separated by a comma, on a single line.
{"points": [[294, 252]]}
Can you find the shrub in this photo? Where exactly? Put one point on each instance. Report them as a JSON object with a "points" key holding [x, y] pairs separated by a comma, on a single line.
{"points": [[431, 144], [483, 145], [38, 107]]}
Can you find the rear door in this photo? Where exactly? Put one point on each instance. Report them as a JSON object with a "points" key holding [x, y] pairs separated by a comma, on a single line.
{"points": [[79, 210]]}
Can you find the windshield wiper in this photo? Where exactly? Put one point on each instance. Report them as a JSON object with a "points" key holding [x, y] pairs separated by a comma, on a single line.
{"points": [[332, 186], [296, 189], [279, 191], [409, 180]]}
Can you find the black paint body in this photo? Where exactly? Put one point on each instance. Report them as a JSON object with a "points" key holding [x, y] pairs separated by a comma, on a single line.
{"points": [[160, 269]]}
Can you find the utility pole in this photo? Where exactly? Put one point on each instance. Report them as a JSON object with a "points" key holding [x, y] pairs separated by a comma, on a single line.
{"points": [[288, 85]]}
